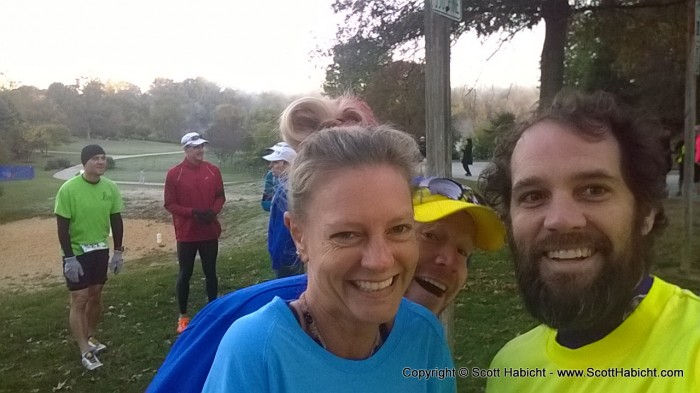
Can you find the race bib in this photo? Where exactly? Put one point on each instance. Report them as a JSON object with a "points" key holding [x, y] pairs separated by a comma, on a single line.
{"points": [[94, 247]]}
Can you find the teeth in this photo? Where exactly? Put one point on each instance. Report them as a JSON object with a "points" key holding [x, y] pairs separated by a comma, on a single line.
{"points": [[438, 284], [569, 254], [372, 286]]}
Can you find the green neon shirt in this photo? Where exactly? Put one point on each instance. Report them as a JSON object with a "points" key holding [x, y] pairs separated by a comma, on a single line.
{"points": [[88, 207], [661, 336]]}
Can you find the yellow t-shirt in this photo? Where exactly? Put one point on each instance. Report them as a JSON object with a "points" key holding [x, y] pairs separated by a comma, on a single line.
{"points": [[656, 349]]}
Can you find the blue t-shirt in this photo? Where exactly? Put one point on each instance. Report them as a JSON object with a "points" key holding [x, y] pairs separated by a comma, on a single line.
{"points": [[267, 351], [187, 365]]}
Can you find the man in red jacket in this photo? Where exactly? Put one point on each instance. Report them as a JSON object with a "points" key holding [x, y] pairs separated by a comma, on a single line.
{"points": [[194, 195]]}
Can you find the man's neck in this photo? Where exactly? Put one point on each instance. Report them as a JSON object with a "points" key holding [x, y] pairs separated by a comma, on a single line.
{"points": [[93, 179], [577, 338]]}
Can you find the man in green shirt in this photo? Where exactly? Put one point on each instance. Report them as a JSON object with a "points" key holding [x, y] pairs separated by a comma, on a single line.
{"points": [[87, 206]]}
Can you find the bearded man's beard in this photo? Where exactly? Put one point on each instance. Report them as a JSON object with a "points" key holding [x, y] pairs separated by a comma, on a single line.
{"points": [[565, 301]]}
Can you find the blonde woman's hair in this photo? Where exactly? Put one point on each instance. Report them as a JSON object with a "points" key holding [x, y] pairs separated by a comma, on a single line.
{"points": [[308, 115]]}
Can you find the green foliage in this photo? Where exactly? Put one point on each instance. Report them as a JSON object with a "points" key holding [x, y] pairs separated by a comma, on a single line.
{"points": [[396, 93], [43, 137], [487, 137], [392, 25], [638, 55], [9, 118], [375, 31], [32, 119], [354, 63], [226, 135], [263, 127], [10, 126]]}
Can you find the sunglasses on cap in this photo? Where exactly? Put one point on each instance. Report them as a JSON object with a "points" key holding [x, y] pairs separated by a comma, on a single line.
{"points": [[451, 189]]}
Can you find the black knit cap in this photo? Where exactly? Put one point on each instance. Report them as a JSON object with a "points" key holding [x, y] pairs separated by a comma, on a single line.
{"points": [[90, 151]]}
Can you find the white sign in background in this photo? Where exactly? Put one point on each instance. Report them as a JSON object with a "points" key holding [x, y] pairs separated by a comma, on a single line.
{"points": [[451, 8]]}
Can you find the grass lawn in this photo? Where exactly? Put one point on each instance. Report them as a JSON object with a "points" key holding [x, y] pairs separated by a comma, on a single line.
{"points": [[125, 147], [156, 167], [28, 198], [38, 354]]}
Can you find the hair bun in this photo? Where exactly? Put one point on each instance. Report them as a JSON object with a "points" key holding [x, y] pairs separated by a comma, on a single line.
{"points": [[308, 115]]}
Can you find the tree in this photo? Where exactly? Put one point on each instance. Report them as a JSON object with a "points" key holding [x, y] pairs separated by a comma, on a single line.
{"points": [[474, 109], [31, 104], [263, 128], [128, 111], [391, 24], [639, 56], [44, 137], [226, 136], [396, 93], [9, 128], [204, 97], [167, 110], [97, 112], [68, 105], [499, 125], [354, 64]]}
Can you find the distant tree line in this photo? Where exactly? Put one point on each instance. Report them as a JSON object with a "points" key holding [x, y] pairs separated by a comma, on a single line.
{"points": [[239, 125], [36, 120]]}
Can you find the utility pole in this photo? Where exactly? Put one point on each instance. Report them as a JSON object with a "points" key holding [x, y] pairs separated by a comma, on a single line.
{"points": [[437, 93], [692, 66], [438, 138]]}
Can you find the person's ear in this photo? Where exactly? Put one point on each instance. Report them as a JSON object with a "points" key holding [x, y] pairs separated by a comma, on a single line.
{"points": [[297, 232], [648, 222]]}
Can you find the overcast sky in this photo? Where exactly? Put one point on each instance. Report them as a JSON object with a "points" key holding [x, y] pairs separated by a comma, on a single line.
{"points": [[248, 45]]}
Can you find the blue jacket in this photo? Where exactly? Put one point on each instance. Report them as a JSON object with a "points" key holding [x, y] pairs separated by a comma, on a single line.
{"points": [[187, 365], [280, 245]]}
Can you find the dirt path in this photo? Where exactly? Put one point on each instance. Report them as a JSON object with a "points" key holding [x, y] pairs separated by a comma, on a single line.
{"points": [[31, 254]]}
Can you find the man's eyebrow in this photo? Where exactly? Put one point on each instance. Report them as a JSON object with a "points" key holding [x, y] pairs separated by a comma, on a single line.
{"points": [[596, 174], [527, 182]]}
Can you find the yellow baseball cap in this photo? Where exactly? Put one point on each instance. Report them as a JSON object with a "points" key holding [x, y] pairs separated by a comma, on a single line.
{"points": [[437, 197]]}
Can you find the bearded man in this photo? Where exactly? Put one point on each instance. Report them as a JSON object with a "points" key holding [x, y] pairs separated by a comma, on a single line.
{"points": [[580, 189]]}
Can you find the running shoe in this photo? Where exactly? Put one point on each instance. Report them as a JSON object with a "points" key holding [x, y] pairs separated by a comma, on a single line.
{"points": [[96, 346], [90, 361], [182, 324]]}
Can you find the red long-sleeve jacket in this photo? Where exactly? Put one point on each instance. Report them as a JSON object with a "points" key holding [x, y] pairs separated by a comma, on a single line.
{"points": [[188, 187]]}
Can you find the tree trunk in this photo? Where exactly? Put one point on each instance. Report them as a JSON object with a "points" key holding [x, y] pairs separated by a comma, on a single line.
{"points": [[556, 15]]}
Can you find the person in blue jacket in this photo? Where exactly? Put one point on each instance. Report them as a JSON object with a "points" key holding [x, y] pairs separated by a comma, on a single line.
{"points": [[279, 161], [300, 119]]}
